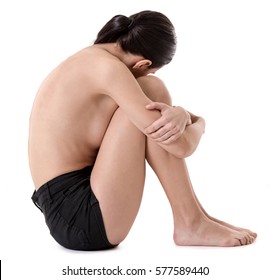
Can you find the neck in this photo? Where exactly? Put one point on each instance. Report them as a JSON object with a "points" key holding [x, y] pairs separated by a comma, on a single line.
{"points": [[114, 49]]}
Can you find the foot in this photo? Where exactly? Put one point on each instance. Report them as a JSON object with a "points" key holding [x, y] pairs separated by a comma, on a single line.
{"points": [[251, 233], [243, 230], [239, 229], [205, 232]]}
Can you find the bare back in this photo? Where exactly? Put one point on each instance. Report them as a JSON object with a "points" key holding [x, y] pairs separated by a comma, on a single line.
{"points": [[69, 117]]}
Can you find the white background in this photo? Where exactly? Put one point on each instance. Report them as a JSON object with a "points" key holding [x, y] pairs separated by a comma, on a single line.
{"points": [[220, 71]]}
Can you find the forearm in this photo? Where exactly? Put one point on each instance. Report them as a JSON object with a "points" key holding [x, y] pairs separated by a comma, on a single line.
{"points": [[189, 140]]}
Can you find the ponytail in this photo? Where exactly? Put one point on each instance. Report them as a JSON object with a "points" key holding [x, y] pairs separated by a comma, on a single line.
{"points": [[150, 34], [115, 28]]}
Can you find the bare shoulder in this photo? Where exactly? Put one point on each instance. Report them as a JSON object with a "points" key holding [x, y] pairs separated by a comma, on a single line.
{"points": [[100, 58], [103, 67]]}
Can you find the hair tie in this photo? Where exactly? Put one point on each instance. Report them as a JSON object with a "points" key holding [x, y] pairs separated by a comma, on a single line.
{"points": [[131, 24]]}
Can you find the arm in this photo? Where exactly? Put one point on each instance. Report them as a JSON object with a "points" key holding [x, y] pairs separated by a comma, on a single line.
{"points": [[171, 125], [191, 137], [120, 85], [172, 131], [166, 132]]}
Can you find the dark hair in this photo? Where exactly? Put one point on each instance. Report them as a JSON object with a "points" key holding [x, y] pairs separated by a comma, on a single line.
{"points": [[147, 33]]}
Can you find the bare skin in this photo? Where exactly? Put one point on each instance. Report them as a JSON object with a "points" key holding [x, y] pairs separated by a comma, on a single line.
{"points": [[100, 112]]}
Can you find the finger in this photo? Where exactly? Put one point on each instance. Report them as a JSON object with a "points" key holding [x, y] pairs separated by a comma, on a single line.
{"points": [[165, 136], [155, 126], [171, 139], [165, 132], [156, 106], [161, 134]]}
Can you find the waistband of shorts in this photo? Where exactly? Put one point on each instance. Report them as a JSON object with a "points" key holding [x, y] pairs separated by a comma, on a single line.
{"points": [[56, 184], [66, 177]]}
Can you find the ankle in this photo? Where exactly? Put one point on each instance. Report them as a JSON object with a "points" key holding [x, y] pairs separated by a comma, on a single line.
{"points": [[187, 231], [188, 222]]}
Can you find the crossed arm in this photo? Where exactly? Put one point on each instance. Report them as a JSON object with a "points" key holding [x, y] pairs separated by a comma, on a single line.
{"points": [[174, 129]]}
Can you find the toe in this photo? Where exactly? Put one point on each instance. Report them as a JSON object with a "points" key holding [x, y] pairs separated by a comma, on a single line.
{"points": [[253, 234], [248, 239], [237, 242]]}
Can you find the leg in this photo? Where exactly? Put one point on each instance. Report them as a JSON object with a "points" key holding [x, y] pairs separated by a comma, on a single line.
{"points": [[252, 234], [191, 224], [118, 181], [118, 176], [154, 155], [119, 171]]}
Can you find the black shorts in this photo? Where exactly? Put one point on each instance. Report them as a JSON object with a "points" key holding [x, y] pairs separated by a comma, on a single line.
{"points": [[72, 212]]}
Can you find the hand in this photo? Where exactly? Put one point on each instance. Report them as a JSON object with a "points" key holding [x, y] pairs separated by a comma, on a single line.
{"points": [[170, 126]]}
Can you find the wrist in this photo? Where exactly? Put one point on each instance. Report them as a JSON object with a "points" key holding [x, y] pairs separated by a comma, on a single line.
{"points": [[189, 122], [188, 115]]}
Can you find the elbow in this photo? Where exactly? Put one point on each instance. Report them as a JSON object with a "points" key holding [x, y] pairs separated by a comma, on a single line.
{"points": [[182, 154], [180, 149], [184, 151]]}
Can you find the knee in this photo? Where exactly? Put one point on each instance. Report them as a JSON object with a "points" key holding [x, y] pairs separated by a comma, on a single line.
{"points": [[155, 89], [120, 116], [151, 84]]}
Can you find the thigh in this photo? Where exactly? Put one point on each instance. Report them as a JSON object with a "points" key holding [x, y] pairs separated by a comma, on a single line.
{"points": [[118, 176]]}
